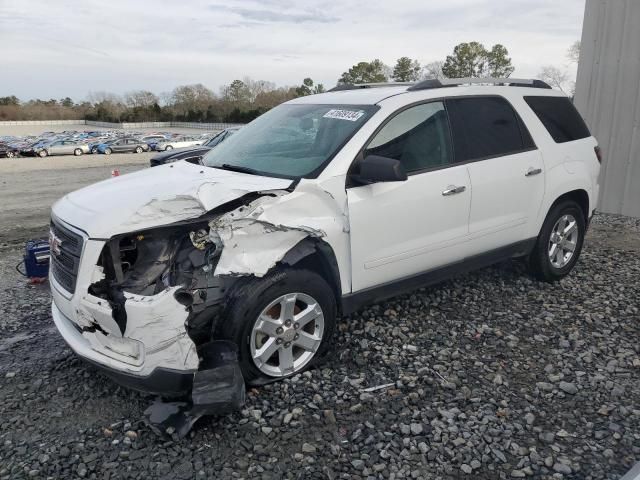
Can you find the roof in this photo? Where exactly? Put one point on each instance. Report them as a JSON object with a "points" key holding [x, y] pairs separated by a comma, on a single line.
{"points": [[372, 96], [360, 96]]}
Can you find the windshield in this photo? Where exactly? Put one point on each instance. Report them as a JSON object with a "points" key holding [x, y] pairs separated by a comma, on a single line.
{"points": [[214, 140], [290, 141]]}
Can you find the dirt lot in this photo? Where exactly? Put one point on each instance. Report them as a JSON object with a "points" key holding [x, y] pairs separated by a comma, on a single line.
{"points": [[29, 186], [490, 375]]}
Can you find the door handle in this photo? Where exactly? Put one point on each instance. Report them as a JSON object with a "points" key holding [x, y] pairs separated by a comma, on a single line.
{"points": [[533, 171], [452, 190]]}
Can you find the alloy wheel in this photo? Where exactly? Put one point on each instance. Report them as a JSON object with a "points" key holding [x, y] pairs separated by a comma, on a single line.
{"points": [[287, 334], [563, 241]]}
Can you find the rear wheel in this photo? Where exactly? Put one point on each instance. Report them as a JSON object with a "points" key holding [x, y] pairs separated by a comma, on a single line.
{"points": [[138, 149], [559, 243], [11, 154], [94, 150], [77, 152], [107, 151], [43, 153], [281, 323], [168, 147]]}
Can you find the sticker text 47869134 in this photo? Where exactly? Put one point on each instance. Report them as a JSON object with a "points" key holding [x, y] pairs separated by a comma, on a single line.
{"points": [[351, 115]]}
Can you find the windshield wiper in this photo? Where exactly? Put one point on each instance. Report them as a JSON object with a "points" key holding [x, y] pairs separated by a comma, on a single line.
{"points": [[238, 168]]}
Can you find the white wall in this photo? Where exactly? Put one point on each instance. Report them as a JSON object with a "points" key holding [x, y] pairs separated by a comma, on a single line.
{"points": [[608, 96]]}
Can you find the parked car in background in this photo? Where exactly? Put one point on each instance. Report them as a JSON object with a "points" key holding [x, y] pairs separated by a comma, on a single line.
{"points": [[122, 145], [191, 154], [153, 138], [94, 143], [58, 147], [177, 142], [7, 151]]}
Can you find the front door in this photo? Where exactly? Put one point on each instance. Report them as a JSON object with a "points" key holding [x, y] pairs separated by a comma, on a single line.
{"points": [[399, 229]]}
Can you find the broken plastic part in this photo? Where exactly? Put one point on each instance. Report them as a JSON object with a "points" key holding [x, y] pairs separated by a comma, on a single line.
{"points": [[167, 418], [218, 388]]}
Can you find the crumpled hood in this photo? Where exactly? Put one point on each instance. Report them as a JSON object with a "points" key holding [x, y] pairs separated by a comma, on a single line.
{"points": [[156, 196]]}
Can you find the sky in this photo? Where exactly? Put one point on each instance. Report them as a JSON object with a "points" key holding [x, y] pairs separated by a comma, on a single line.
{"points": [[54, 49]]}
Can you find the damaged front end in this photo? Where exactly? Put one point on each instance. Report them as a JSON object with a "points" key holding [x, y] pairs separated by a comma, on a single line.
{"points": [[150, 304], [155, 295]]}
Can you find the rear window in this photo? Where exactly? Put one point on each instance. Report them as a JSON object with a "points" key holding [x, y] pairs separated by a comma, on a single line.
{"points": [[485, 127], [560, 118]]}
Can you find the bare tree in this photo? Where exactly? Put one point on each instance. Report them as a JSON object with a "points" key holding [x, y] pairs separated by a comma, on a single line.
{"points": [[141, 99], [573, 54], [256, 87], [191, 98], [433, 70], [555, 77]]}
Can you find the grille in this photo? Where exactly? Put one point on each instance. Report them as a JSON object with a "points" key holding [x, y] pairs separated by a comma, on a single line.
{"points": [[64, 266]]}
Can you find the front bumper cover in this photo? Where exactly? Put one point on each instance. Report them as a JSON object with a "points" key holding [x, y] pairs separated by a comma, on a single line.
{"points": [[161, 381]]}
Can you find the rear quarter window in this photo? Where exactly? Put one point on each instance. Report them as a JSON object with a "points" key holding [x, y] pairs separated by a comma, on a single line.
{"points": [[559, 117]]}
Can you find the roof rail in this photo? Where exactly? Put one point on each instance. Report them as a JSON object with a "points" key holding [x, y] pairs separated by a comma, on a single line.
{"points": [[354, 86], [453, 82]]}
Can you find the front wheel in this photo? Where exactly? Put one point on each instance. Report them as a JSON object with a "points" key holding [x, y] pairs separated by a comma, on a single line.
{"points": [[138, 149], [107, 151], [77, 152], [43, 153], [281, 323], [10, 154], [559, 243], [168, 147]]}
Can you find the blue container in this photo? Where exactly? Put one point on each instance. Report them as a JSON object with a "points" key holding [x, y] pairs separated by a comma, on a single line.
{"points": [[36, 258]]}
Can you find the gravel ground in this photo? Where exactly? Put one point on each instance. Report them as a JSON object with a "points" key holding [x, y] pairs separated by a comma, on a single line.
{"points": [[491, 375]]}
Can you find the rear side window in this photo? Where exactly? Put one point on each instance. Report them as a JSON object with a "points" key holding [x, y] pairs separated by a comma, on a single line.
{"points": [[560, 118], [484, 127]]}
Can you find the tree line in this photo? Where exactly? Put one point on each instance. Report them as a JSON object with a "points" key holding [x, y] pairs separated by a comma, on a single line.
{"points": [[239, 102], [243, 100]]}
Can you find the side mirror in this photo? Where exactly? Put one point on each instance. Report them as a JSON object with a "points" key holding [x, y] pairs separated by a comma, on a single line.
{"points": [[374, 169]]}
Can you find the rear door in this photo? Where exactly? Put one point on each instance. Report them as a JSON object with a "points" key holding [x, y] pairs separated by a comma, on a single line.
{"points": [[132, 143], [56, 148], [68, 147], [505, 167]]}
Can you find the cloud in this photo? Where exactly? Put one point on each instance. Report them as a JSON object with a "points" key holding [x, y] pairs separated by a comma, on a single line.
{"points": [[271, 16], [159, 44]]}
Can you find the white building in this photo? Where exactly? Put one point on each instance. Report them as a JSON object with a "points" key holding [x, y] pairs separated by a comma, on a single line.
{"points": [[608, 97]]}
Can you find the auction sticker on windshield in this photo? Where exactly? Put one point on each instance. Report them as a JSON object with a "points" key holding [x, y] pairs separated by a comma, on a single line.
{"points": [[351, 115]]}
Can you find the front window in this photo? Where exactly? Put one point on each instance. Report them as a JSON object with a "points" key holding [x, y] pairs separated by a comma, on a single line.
{"points": [[290, 141], [418, 137]]}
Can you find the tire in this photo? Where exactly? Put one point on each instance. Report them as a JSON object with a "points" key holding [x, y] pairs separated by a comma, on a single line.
{"points": [[138, 149], [43, 153], [10, 154], [94, 150], [77, 152], [168, 147], [552, 265], [107, 151], [251, 298]]}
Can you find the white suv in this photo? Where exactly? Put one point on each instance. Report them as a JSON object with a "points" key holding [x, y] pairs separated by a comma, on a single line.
{"points": [[323, 204]]}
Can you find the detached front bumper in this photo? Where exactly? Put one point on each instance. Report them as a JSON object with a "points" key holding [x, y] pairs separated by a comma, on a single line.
{"points": [[160, 380], [154, 353]]}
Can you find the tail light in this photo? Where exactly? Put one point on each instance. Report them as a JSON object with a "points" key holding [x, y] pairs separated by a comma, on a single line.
{"points": [[598, 151]]}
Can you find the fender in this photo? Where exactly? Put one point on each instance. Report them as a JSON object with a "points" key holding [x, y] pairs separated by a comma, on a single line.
{"points": [[560, 181]]}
